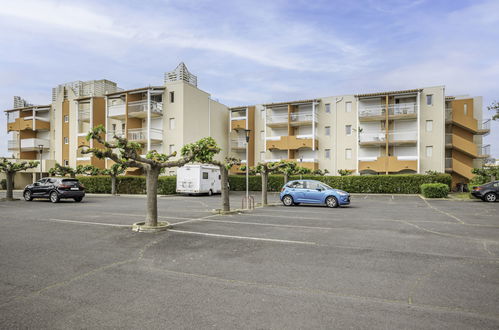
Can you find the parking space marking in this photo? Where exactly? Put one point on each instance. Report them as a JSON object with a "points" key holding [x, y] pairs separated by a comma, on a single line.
{"points": [[242, 237], [88, 223], [261, 224], [443, 212]]}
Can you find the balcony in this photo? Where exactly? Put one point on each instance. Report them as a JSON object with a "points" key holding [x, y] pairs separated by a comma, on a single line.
{"points": [[402, 137], [395, 111], [303, 118], [310, 163], [291, 142], [138, 109], [13, 144], [238, 144], [111, 134], [277, 120], [32, 144], [483, 151], [27, 123], [140, 135], [467, 147], [116, 111], [453, 165], [390, 164], [484, 127], [237, 123], [372, 138], [84, 115]]}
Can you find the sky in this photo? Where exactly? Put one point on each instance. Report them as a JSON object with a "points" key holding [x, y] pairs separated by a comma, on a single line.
{"points": [[250, 52]]}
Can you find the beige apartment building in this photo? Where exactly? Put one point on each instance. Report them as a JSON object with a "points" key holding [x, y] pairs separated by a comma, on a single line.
{"points": [[394, 132]]}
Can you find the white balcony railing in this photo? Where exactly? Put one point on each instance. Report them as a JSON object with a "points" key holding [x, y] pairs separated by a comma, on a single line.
{"points": [[33, 144], [277, 119], [485, 125], [141, 106], [403, 136], [305, 160], [272, 138], [84, 115], [409, 157], [238, 143], [13, 144], [372, 136], [304, 116], [305, 136], [393, 109], [140, 134], [483, 150], [116, 110]]}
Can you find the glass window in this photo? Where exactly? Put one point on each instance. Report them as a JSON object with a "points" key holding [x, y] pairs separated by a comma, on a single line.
{"points": [[348, 129], [328, 108], [465, 109], [66, 162], [314, 185], [429, 151], [327, 130], [66, 119], [327, 153], [172, 97], [429, 125], [429, 99], [296, 185], [348, 153], [66, 140], [205, 175], [171, 148], [348, 106]]}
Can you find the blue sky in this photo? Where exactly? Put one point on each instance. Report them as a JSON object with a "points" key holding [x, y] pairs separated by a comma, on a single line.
{"points": [[247, 52]]}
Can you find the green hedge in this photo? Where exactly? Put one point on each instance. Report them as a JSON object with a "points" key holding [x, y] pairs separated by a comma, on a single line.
{"points": [[126, 184], [434, 190], [388, 184]]}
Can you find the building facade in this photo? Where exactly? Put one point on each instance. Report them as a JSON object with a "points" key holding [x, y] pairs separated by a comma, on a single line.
{"points": [[394, 132]]}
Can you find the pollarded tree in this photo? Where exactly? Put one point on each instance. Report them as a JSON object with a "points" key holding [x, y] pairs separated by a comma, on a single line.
{"points": [[224, 177], [115, 170], [292, 168], [344, 172], [59, 170], [10, 169], [265, 169], [126, 153], [88, 170]]}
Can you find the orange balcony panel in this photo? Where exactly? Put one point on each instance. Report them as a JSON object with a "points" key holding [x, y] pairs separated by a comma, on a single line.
{"points": [[310, 165], [238, 124], [21, 124], [461, 168], [291, 142], [388, 164], [464, 145]]}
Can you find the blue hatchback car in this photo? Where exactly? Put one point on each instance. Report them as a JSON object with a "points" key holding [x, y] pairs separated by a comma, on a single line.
{"points": [[312, 192]]}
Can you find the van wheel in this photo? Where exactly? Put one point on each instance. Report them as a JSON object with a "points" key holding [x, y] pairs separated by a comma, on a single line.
{"points": [[27, 196], [331, 201], [287, 200], [490, 197], [210, 192], [54, 197]]}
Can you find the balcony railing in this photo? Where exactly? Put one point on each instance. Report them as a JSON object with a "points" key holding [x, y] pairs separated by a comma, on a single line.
{"points": [[111, 134], [483, 150], [140, 134], [84, 115], [141, 106], [304, 116], [33, 144], [485, 125], [372, 137], [277, 119], [116, 110], [13, 144], [238, 143], [393, 110], [403, 136], [448, 114]]}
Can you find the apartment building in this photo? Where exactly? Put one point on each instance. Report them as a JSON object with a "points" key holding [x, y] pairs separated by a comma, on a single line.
{"points": [[394, 132], [162, 118]]}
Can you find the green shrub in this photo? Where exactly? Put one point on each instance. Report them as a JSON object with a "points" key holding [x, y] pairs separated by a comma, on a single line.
{"points": [[434, 190], [387, 184], [128, 184]]}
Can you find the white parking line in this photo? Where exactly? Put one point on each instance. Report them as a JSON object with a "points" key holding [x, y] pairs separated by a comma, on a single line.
{"points": [[88, 223], [242, 237], [257, 224]]}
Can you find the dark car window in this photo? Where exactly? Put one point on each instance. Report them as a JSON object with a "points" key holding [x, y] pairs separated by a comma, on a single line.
{"points": [[42, 181], [314, 185], [52, 180]]}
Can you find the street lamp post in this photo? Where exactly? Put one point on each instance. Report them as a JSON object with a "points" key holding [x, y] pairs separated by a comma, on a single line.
{"points": [[247, 132], [301, 160], [40, 148]]}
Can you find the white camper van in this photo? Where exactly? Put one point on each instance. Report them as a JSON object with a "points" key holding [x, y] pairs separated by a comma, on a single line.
{"points": [[198, 179]]}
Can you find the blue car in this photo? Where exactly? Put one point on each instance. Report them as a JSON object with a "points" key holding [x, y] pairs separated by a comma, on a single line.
{"points": [[312, 192]]}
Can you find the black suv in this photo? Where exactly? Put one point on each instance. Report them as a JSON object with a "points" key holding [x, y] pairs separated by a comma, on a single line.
{"points": [[487, 192], [55, 189]]}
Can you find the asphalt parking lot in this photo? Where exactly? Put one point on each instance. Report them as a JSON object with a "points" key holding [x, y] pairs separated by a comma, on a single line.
{"points": [[385, 262]]}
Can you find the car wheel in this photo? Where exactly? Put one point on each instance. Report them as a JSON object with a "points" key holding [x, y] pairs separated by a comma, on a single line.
{"points": [[210, 192], [287, 200], [331, 201], [490, 197], [54, 197], [78, 199], [27, 196]]}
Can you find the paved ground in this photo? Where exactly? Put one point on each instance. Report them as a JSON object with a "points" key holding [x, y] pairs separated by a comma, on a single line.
{"points": [[395, 262]]}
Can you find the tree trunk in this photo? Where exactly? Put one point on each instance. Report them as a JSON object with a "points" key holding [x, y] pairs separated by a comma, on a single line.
{"points": [[113, 185], [152, 175], [224, 177], [265, 179], [73, 175], [10, 185], [286, 178]]}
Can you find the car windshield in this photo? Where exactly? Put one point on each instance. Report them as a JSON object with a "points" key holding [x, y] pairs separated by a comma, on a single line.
{"points": [[326, 186]]}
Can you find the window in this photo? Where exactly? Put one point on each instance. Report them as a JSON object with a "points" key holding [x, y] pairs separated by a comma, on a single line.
{"points": [[172, 97], [123, 126], [348, 153], [429, 99], [262, 113], [327, 153], [327, 130], [429, 125], [172, 123], [262, 135], [66, 162], [348, 106], [465, 109], [171, 148], [205, 175], [114, 127], [66, 140], [348, 129], [429, 151], [66, 119], [328, 108], [297, 185], [262, 155]]}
